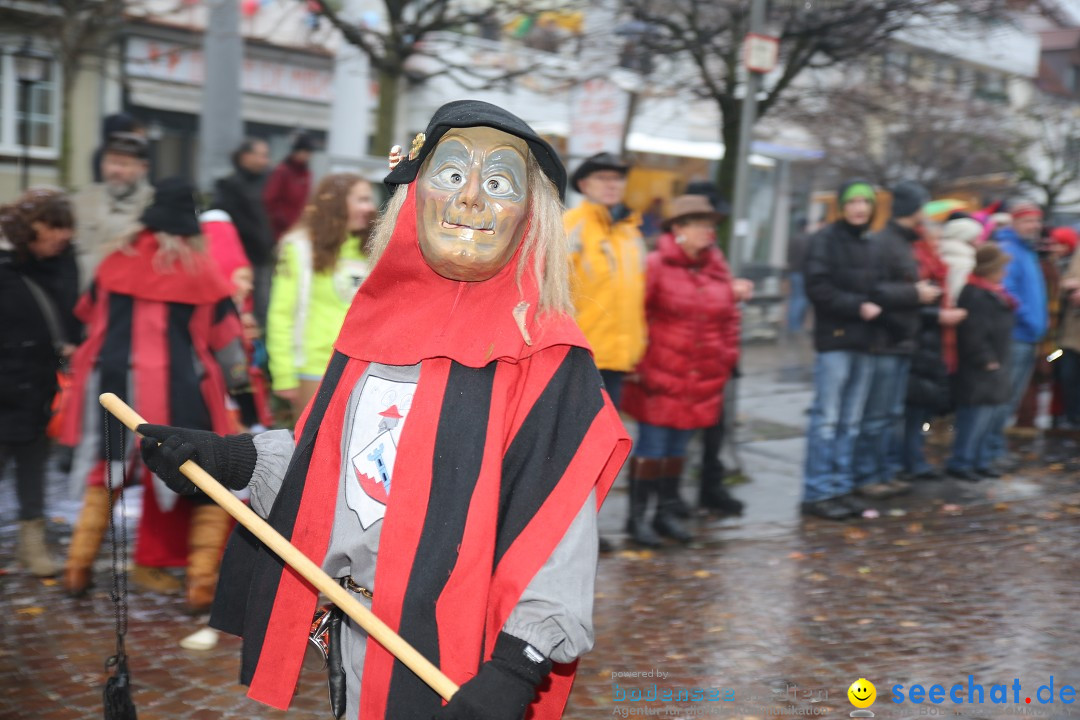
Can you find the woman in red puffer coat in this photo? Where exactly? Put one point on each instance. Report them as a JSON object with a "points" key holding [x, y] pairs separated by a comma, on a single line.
{"points": [[693, 324]]}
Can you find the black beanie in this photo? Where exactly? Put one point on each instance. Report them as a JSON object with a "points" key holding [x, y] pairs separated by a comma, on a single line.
{"points": [[303, 142], [175, 208], [907, 198], [475, 113]]}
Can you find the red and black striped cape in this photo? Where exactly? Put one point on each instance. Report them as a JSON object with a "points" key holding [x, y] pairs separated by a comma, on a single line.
{"points": [[504, 442]]}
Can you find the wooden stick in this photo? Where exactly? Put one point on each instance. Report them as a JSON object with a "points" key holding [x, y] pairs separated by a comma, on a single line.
{"points": [[311, 572]]}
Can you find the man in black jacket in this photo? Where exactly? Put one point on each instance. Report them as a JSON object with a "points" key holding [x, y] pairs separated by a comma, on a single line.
{"points": [[241, 196], [839, 282], [901, 295]]}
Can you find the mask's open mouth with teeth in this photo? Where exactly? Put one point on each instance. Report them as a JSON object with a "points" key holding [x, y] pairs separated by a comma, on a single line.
{"points": [[454, 226]]}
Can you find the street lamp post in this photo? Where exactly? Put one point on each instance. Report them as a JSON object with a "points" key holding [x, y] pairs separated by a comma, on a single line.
{"points": [[30, 69]]}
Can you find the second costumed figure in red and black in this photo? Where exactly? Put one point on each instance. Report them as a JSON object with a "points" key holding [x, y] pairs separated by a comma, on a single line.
{"points": [[450, 467]]}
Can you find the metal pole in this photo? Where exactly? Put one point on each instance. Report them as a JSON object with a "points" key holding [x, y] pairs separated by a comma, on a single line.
{"points": [[221, 127], [350, 108], [740, 226], [24, 89]]}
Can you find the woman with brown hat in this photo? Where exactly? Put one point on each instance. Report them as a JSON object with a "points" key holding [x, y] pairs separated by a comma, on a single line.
{"points": [[693, 326], [984, 340]]}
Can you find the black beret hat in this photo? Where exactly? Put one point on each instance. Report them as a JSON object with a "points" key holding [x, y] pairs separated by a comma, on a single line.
{"points": [[595, 163], [475, 113], [126, 143], [175, 208]]}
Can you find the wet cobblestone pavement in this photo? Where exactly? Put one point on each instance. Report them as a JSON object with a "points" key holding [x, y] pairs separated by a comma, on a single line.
{"points": [[778, 614]]}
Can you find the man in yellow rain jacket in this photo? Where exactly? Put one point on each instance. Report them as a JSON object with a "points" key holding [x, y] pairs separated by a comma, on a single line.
{"points": [[608, 278]]}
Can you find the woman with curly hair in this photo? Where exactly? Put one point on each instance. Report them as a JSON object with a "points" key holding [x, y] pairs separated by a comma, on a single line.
{"points": [[33, 229], [322, 263]]}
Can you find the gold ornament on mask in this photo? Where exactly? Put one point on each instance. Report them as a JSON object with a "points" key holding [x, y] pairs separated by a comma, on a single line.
{"points": [[417, 145]]}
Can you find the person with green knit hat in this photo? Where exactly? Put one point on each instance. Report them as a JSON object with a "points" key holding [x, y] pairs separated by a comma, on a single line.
{"points": [[839, 282], [906, 299], [855, 190]]}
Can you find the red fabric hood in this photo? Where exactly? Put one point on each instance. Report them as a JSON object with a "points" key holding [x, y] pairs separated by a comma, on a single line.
{"points": [[132, 272], [405, 312]]}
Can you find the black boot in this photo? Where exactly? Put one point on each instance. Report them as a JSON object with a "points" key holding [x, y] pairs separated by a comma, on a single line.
{"points": [[643, 475], [678, 507], [666, 522], [715, 498]]}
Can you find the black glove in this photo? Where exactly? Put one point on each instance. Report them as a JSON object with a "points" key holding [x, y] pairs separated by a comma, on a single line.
{"points": [[504, 687], [230, 458]]}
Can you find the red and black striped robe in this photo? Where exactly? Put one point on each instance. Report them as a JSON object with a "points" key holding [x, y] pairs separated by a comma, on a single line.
{"points": [[505, 442], [151, 339]]}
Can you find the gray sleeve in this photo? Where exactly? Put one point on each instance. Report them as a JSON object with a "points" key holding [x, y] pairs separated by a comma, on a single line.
{"points": [[554, 614], [275, 449]]}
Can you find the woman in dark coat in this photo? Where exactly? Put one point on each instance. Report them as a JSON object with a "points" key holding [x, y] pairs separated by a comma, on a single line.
{"points": [[932, 364], [693, 324], [983, 348], [36, 227]]}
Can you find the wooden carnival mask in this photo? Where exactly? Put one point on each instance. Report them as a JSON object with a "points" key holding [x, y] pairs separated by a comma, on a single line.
{"points": [[472, 202]]}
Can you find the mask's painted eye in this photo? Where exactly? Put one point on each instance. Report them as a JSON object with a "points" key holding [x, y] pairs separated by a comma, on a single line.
{"points": [[499, 185], [451, 177]]}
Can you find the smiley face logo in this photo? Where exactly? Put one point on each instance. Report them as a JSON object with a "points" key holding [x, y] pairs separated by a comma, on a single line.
{"points": [[862, 693]]}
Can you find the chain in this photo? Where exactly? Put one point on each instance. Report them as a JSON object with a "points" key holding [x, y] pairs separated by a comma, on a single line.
{"points": [[117, 542]]}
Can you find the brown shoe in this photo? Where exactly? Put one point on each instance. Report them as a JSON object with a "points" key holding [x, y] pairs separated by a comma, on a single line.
{"points": [[78, 581], [155, 579]]}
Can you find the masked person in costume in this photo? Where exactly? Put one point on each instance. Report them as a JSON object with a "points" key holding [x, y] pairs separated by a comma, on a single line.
{"points": [[161, 330], [449, 469]]}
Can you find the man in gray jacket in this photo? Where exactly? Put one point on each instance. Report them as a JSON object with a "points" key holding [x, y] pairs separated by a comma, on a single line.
{"points": [[109, 210]]}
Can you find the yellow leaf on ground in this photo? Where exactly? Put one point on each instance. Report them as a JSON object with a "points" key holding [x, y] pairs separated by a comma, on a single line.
{"points": [[854, 533], [32, 611]]}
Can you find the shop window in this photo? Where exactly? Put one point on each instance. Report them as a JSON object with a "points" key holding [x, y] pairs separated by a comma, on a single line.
{"points": [[962, 80], [897, 67], [1072, 153], [990, 86], [33, 116]]}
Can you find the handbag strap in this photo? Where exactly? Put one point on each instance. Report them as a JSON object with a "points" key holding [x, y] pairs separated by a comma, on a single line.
{"points": [[48, 310]]}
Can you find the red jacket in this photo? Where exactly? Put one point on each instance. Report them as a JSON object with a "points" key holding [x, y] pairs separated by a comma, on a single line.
{"points": [[693, 326], [285, 195]]}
